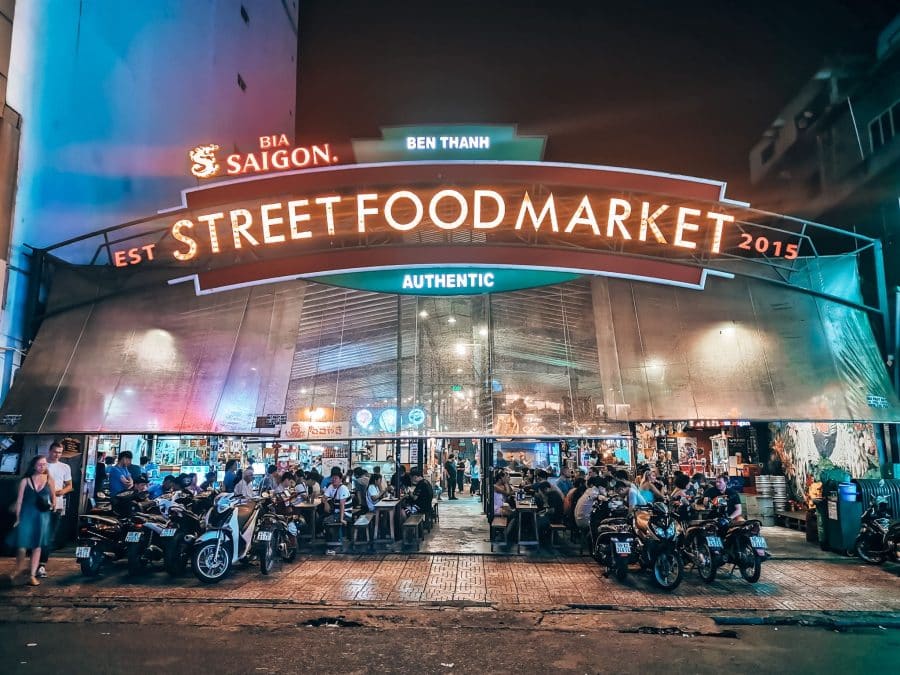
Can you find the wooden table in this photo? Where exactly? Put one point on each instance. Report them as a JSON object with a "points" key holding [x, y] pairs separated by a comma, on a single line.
{"points": [[527, 509], [309, 512], [386, 508]]}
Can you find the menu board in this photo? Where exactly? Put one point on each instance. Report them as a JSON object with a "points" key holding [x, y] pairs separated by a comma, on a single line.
{"points": [[666, 444]]}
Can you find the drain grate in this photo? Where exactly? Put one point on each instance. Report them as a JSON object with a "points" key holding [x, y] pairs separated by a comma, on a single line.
{"points": [[331, 622], [675, 630]]}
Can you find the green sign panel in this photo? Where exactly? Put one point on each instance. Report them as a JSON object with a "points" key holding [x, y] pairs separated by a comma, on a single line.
{"points": [[449, 142], [446, 280]]}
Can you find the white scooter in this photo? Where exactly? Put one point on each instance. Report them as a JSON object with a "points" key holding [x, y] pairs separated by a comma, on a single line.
{"points": [[227, 539]]}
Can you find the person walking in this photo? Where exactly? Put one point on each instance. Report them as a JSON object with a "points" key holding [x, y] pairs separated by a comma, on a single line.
{"points": [[61, 473], [32, 526]]}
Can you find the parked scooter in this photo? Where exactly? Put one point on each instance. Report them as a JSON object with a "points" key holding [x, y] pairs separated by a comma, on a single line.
{"points": [[184, 526], [657, 539], [878, 540], [700, 544], [276, 533], [228, 538], [612, 537], [743, 545], [102, 533]]}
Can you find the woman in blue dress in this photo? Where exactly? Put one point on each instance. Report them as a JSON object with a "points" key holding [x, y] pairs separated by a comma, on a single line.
{"points": [[32, 528]]}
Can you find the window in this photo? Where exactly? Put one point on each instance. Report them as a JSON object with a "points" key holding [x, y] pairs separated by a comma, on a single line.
{"points": [[884, 127]]}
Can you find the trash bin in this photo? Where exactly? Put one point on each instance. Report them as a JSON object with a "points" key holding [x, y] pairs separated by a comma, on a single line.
{"points": [[821, 515]]}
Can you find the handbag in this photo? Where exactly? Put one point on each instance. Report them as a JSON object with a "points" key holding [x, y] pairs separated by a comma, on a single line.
{"points": [[43, 503]]}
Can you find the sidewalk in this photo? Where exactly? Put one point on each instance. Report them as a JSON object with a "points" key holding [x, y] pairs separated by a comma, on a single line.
{"points": [[836, 584]]}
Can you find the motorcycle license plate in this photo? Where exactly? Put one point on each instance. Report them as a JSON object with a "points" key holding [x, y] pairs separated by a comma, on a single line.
{"points": [[758, 542], [714, 542], [168, 532], [264, 536], [83, 552], [623, 548], [133, 537]]}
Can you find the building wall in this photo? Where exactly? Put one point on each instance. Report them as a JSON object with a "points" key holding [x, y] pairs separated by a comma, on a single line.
{"points": [[113, 94], [10, 127]]}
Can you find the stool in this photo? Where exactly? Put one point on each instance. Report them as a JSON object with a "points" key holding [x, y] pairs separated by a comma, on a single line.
{"points": [[498, 525], [412, 530], [362, 526], [555, 530], [334, 535]]}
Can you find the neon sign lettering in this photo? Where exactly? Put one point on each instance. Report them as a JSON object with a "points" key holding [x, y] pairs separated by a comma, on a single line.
{"points": [[403, 210], [448, 142], [448, 280], [275, 154]]}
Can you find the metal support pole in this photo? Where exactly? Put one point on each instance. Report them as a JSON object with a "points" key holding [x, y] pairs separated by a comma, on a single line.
{"points": [[881, 285]]}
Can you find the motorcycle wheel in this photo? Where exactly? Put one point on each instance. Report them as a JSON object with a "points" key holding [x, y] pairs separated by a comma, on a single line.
{"points": [[597, 552], [288, 548], [705, 562], [267, 553], [209, 567], [175, 556], [621, 570], [137, 565], [90, 566], [749, 563], [861, 548], [667, 570]]}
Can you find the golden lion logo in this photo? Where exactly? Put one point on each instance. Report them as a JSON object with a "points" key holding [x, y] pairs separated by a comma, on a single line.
{"points": [[204, 161]]}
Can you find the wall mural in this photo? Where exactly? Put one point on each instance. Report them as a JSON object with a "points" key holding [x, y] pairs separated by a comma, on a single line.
{"points": [[806, 450]]}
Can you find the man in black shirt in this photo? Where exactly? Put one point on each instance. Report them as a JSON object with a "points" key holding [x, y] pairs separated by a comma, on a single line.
{"points": [[450, 473], [422, 493], [715, 495], [553, 509]]}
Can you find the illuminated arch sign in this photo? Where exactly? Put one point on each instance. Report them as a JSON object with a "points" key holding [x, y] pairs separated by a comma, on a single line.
{"points": [[445, 228]]}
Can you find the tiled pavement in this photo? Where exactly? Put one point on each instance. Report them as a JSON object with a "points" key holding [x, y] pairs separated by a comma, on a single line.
{"points": [[837, 584]]}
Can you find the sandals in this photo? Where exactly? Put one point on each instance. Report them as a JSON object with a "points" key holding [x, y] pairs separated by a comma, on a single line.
{"points": [[33, 581]]}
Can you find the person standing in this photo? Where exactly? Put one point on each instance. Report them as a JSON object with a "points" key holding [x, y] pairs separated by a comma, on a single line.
{"points": [[232, 475], [61, 473], [476, 478], [32, 525], [450, 477], [461, 475], [100, 473], [120, 478]]}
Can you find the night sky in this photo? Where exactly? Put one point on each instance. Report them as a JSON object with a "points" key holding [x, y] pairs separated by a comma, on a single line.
{"points": [[686, 87]]}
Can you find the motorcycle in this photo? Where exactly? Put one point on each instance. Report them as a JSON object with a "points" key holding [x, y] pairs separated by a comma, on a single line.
{"points": [[878, 540], [276, 533], [612, 537], [184, 526], [144, 536], [701, 545], [743, 545], [657, 540], [229, 526], [102, 532]]}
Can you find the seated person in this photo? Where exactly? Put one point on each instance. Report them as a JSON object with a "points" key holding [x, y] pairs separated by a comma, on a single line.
{"points": [[680, 500], [552, 512], [210, 481], [244, 487], [337, 497], [375, 492], [585, 503], [504, 504], [724, 498], [169, 484], [420, 502]]}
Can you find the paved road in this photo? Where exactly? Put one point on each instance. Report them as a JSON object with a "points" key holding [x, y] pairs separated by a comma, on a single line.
{"points": [[121, 648]]}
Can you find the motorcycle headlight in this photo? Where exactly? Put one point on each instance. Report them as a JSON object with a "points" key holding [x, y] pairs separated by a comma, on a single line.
{"points": [[665, 532]]}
